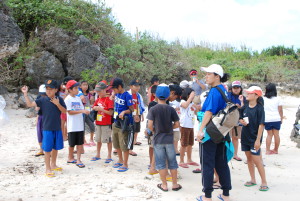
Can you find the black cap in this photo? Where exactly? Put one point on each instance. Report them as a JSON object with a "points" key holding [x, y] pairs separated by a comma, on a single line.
{"points": [[116, 82], [51, 83], [135, 82], [67, 79]]}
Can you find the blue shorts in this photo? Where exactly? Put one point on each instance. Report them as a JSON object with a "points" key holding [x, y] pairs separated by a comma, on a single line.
{"points": [[246, 147], [273, 125], [52, 140], [163, 153]]}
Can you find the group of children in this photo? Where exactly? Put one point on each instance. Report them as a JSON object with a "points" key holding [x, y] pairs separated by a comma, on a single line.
{"points": [[114, 115]]}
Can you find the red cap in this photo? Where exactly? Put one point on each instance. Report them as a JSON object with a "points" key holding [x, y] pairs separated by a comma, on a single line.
{"points": [[72, 83]]}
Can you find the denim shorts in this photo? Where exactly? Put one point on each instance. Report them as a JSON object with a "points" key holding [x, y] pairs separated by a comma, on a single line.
{"points": [[273, 125], [165, 153], [52, 140]]}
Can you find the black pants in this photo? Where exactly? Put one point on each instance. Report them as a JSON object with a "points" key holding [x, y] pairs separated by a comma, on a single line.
{"points": [[214, 156]]}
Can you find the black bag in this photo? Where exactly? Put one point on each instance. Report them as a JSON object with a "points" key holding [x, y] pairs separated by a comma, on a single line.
{"points": [[220, 124], [93, 115], [122, 123]]}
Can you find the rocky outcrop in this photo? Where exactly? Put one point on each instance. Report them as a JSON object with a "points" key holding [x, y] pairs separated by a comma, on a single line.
{"points": [[42, 66], [10, 36], [295, 135]]}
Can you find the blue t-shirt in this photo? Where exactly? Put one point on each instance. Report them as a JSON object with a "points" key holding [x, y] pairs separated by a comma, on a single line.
{"points": [[122, 103], [234, 98], [51, 113], [214, 101]]}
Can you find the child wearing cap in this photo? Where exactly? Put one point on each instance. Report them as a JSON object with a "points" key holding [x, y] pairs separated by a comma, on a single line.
{"points": [[39, 123], [75, 122], [252, 117], [105, 108], [160, 122], [139, 108], [122, 115], [154, 81], [236, 97], [51, 106]]}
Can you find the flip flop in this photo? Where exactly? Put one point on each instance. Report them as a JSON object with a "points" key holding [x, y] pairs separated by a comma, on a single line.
{"points": [[133, 154], [108, 160], [193, 163], [57, 169], [161, 188], [50, 175], [117, 165], [80, 165], [199, 198], [123, 169], [183, 165], [138, 143], [152, 173], [197, 170], [216, 186], [178, 188], [249, 184], [220, 197], [95, 159], [237, 158], [74, 161], [115, 152], [39, 154], [264, 188]]}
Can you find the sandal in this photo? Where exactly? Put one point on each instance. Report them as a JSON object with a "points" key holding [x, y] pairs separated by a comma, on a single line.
{"points": [[264, 188], [80, 165], [138, 143], [178, 188], [183, 165], [249, 184], [108, 160], [133, 154], [50, 175], [237, 158], [197, 170], [161, 188], [95, 159], [39, 154]]}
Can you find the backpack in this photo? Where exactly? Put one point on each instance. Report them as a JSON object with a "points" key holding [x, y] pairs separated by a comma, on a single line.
{"points": [[220, 124]]}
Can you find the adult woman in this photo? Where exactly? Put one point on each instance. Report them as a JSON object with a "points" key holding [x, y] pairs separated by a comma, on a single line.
{"points": [[273, 118], [213, 155]]}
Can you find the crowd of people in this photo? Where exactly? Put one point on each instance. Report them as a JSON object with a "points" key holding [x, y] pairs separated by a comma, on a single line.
{"points": [[113, 116]]}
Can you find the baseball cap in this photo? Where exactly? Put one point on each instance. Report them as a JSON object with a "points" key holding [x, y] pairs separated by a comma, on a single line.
{"points": [[184, 84], [135, 82], [193, 72], [162, 91], [72, 83], [100, 86], [51, 83], [116, 82], [254, 90], [42, 89], [236, 84], [214, 68]]}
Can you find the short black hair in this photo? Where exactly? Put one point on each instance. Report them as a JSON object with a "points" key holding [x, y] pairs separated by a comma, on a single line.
{"points": [[153, 89], [185, 93], [176, 88], [271, 90], [88, 89], [225, 77], [154, 79], [67, 79]]}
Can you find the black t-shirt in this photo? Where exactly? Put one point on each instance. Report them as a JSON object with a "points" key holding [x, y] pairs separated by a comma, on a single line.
{"points": [[163, 117], [40, 110], [151, 104], [256, 117], [51, 113]]}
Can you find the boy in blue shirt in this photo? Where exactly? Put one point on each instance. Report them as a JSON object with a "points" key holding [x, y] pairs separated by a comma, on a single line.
{"points": [[122, 111], [52, 107]]}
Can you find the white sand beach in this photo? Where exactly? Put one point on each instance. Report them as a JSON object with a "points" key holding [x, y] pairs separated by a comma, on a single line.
{"points": [[22, 174]]}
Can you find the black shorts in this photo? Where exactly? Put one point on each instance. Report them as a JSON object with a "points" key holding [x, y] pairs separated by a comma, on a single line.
{"points": [[76, 138], [137, 127]]}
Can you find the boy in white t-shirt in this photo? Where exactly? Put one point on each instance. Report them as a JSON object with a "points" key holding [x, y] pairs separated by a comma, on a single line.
{"points": [[75, 123]]}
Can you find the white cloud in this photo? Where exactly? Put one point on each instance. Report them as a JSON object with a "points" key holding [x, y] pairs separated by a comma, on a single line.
{"points": [[258, 24]]}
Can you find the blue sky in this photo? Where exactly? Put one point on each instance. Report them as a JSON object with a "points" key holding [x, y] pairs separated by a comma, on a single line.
{"points": [[255, 23]]}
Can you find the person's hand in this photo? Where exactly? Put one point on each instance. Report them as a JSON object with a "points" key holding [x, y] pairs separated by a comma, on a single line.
{"points": [[192, 95], [242, 121], [136, 118], [238, 105], [200, 136], [241, 98], [24, 89], [55, 101], [257, 145], [142, 118], [87, 112], [121, 115]]}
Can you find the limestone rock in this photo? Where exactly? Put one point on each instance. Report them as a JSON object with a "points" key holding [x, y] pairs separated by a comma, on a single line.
{"points": [[10, 36], [31, 112]]}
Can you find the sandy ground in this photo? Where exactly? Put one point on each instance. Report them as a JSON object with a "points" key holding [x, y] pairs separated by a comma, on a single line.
{"points": [[22, 174]]}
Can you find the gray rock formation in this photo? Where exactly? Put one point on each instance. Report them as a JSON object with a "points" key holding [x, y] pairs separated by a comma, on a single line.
{"points": [[42, 66], [3, 90], [31, 112], [10, 36], [295, 135]]}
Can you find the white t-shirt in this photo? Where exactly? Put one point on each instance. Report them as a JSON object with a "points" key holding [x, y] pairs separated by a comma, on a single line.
{"points": [[271, 109], [176, 105], [74, 122], [187, 115]]}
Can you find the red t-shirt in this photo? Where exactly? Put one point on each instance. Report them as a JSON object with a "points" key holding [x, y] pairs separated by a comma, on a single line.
{"points": [[135, 101], [152, 97], [102, 118]]}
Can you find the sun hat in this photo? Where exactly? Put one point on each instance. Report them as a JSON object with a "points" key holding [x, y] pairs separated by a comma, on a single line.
{"points": [[254, 90], [214, 68]]}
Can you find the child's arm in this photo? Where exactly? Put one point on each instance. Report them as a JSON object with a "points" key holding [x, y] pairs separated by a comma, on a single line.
{"points": [[176, 124], [101, 109], [73, 112], [207, 116], [190, 99], [24, 89], [280, 112], [259, 135], [129, 111], [150, 125], [56, 102]]}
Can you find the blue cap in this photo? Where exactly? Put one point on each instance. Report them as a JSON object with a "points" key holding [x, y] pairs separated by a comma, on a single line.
{"points": [[162, 91]]}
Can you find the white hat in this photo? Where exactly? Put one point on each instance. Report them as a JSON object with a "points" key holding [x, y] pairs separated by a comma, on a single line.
{"points": [[184, 84], [42, 89], [214, 68]]}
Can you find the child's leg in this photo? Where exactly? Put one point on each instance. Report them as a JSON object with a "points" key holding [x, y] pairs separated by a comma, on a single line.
{"points": [[152, 164], [53, 159], [71, 154], [99, 145], [269, 141], [163, 177], [109, 150], [260, 167], [126, 156], [79, 152], [250, 164], [182, 153], [189, 154], [277, 140], [47, 162], [160, 157], [120, 156], [176, 147]]}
